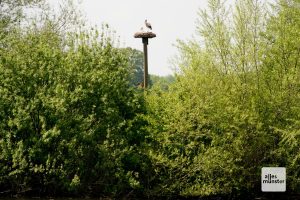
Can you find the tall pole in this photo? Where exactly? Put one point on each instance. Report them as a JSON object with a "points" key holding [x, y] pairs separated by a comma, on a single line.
{"points": [[145, 36], [145, 42]]}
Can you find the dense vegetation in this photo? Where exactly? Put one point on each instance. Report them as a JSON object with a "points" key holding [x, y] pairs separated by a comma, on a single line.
{"points": [[74, 123], [235, 105]]}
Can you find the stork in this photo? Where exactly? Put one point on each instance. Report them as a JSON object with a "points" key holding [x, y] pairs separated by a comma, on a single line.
{"points": [[148, 25]]}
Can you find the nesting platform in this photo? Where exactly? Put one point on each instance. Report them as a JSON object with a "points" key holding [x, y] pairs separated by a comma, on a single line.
{"points": [[144, 35]]}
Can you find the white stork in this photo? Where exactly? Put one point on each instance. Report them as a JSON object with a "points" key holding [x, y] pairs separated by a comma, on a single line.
{"points": [[148, 25]]}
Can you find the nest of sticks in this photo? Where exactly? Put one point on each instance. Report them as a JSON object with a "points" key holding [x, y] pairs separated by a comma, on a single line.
{"points": [[144, 35]]}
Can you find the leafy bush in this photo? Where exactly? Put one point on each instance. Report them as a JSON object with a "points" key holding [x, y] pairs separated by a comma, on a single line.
{"points": [[69, 120], [232, 109]]}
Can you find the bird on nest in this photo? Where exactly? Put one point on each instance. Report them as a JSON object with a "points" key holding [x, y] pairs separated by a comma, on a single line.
{"points": [[148, 25]]}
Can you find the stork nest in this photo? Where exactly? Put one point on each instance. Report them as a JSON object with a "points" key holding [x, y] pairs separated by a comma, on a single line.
{"points": [[144, 35]]}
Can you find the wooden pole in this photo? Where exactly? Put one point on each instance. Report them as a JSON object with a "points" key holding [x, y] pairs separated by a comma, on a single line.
{"points": [[145, 42], [145, 36]]}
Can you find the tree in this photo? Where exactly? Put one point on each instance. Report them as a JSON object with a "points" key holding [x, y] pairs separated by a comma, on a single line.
{"points": [[224, 111], [11, 11], [162, 82], [136, 62], [281, 76], [69, 122]]}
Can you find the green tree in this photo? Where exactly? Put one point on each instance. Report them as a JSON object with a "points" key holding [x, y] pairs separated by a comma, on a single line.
{"points": [[69, 120], [136, 62], [12, 11], [162, 82], [233, 102], [281, 76]]}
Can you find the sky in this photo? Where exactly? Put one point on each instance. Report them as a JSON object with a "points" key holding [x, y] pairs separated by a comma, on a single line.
{"points": [[170, 20]]}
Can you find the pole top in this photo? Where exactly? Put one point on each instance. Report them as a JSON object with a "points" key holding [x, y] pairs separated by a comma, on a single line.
{"points": [[144, 35]]}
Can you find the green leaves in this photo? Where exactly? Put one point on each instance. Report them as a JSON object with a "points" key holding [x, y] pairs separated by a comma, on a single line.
{"points": [[219, 122], [66, 108], [71, 122]]}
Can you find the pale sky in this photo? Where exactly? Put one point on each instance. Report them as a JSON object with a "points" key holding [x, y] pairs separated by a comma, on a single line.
{"points": [[170, 19]]}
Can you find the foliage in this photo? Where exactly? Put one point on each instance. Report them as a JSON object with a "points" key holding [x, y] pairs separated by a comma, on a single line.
{"points": [[136, 62], [282, 82], [71, 122], [233, 107], [136, 69], [162, 82], [12, 11]]}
